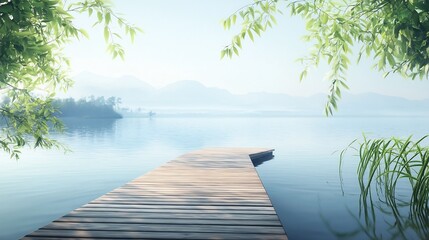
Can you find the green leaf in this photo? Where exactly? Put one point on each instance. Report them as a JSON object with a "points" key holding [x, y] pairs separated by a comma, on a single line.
{"points": [[234, 19], [359, 57], [348, 39], [139, 29], [344, 85], [106, 34], [238, 41], [303, 75], [222, 54], [132, 34], [107, 18], [338, 92], [256, 29], [84, 32], [309, 24], [390, 59], [385, 74], [324, 18], [252, 12], [273, 19], [333, 103], [249, 32], [381, 64], [235, 50], [100, 16], [228, 23]]}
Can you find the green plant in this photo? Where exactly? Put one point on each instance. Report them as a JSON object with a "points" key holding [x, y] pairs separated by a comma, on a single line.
{"points": [[386, 165]]}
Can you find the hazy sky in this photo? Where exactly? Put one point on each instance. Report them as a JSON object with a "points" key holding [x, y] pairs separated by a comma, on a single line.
{"points": [[183, 40]]}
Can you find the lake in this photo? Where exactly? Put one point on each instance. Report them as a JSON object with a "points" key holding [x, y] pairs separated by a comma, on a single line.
{"points": [[302, 179]]}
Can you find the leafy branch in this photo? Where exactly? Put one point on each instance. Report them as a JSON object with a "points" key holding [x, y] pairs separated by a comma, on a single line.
{"points": [[32, 66], [395, 33]]}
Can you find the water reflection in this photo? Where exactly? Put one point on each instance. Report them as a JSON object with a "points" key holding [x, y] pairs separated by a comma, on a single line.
{"points": [[381, 216], [89, 126], [377, 219]]}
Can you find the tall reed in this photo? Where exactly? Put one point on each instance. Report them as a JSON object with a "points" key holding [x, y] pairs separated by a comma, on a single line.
{"points": [[387, 165]]}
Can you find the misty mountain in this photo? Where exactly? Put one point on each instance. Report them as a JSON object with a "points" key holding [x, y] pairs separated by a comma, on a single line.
{"points": [[188, 95], [129, 88], [376, 104]]}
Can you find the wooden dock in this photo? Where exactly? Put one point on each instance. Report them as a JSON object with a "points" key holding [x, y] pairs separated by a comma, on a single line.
{"points": [[207, 194]]}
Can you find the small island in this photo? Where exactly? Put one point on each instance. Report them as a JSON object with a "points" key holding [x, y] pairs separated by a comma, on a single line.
{"points": [[90, 107]]}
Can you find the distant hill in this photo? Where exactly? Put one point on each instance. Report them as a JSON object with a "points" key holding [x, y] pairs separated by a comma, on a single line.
{"points": [[376, 104], [188, 96], [129, 88]]}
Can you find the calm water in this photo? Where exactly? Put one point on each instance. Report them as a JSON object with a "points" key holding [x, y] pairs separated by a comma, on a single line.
{"points": [[302, 180]]}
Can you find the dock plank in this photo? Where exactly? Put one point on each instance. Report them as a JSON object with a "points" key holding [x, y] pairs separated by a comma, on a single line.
{"points": [[179, 221], [80, 234], [205, 194], [202, 215]]}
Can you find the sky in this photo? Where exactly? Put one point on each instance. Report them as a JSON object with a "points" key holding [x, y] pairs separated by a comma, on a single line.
{"points": [[182, 40]]}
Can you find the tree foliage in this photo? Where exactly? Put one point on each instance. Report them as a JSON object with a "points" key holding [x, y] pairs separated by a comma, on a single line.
{"points": [[394, 32], [32, 66]]}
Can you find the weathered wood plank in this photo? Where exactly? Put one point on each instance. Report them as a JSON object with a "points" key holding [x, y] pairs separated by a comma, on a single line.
{"points": [[163, 228], [181, 198], [168, 196], [79, 234], [179, 221], [194, 194], [178, 202], [206, 194], [178, 207], [200, 215], [208, 211]]}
